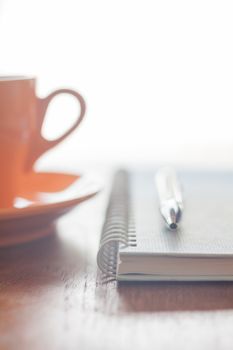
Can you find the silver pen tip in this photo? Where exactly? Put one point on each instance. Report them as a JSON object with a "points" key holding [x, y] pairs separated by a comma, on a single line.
{"points": [[173, 226], [171, 213]]}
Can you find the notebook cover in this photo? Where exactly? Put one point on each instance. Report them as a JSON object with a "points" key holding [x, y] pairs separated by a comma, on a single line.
{"points": [[207, 223]]}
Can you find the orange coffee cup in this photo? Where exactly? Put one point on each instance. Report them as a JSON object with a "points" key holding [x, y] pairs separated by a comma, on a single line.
{"points": [[21, 143]]}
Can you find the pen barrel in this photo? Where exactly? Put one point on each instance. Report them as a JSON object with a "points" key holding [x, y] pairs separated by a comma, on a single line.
{"points": [[168, 186]]}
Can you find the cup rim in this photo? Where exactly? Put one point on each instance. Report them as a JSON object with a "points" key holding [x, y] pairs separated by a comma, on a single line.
{"points": [[7, 78]]}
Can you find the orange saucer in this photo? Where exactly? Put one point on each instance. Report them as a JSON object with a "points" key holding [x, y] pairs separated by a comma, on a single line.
{"points": [[43, 199]]}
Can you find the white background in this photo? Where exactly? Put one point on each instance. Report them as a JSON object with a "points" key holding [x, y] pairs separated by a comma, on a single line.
{"points": [[157, 76]]}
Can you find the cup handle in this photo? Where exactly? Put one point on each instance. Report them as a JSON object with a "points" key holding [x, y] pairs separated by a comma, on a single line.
{"points": [[39, 143]]}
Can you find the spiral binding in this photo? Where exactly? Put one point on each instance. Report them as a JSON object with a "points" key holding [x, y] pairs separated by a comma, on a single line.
{"points": [[119, 228]]}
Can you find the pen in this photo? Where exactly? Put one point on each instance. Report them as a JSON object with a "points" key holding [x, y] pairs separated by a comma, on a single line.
{"points": [[170, 197]]}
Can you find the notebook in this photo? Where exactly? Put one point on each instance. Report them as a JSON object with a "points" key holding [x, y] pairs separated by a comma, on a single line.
{"points": [[135, 245]]}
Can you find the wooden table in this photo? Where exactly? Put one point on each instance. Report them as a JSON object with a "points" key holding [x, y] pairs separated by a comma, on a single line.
{"points": [[52, 297]]}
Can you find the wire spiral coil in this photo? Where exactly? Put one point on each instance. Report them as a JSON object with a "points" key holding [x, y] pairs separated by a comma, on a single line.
{"points": [[118, 229]]}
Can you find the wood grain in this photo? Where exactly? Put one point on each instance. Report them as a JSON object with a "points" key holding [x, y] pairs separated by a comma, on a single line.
{"points": [[52, 297]]}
